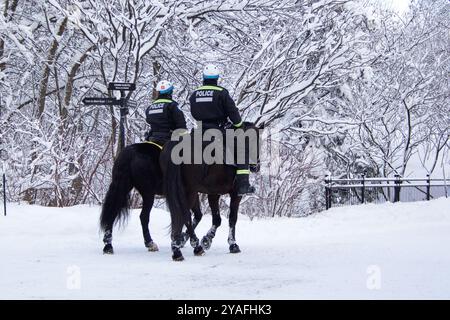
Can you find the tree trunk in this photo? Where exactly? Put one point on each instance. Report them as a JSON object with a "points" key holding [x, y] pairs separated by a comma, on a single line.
{"points": [[48, 64], [11, 9]]}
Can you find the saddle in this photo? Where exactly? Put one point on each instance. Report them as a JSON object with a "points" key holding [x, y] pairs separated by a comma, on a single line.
{"points": [[205, 144]]}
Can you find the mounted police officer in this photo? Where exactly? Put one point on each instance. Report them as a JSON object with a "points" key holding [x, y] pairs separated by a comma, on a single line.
{"points": [[163, 115], [213, 106]]}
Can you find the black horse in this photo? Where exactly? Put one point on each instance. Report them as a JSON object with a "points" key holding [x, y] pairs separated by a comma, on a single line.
{"points": [[182, 184], [136, 166]]}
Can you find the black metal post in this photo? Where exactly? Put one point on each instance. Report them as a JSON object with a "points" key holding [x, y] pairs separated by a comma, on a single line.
{"points": [[363, 189], [4, 193], [123, 117], [328, 193], [397, 188], [428, 187]]}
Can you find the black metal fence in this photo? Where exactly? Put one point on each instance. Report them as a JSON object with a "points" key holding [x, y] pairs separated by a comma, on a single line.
{"points": [[340, 192], [3, 182]]}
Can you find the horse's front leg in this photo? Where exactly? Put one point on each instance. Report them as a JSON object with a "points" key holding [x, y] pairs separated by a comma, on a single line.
{"points": [[234, 208], [197, 217], [216, 221]]}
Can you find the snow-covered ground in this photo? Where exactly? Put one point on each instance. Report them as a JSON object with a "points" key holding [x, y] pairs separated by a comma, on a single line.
{"points": [[372, 251]]}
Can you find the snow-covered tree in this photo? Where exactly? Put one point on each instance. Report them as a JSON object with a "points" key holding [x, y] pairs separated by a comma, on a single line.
{"points": [[342, 87]]}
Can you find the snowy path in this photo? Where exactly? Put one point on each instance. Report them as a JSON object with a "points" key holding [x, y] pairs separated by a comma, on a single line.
{"points": [[328, 255]]}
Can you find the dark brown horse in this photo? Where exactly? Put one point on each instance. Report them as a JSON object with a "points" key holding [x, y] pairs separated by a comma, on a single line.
{"points": [[136, 166], [183, 182]]}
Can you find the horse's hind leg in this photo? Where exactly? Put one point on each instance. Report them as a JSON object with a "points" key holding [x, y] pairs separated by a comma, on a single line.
{"points": [[107, 240], [234, 207], [197, 217], [197, 213], [216, 221], [195, 243], [145, 218]]}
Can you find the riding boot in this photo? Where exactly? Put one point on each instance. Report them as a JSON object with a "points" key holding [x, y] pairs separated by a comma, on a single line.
{"points": [[242, 184]]}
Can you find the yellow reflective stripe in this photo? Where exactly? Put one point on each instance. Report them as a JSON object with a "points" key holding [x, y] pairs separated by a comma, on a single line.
{"points": [[162, 101], [154, 143], [210, 88], [239, 124], [243, 171]]}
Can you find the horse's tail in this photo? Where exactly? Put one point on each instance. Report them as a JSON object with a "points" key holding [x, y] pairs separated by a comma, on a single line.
{"points": [[115, 208], [175, 192]]}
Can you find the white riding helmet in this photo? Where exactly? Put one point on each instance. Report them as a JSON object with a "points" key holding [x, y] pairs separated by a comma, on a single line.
{"points": [[211, 72], [164, 86]]}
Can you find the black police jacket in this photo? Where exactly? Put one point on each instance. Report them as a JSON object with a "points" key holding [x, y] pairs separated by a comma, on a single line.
{"points": [[164, 116], [213, 105]]}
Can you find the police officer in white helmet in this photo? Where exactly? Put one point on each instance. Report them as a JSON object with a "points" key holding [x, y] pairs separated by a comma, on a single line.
{"points": [[163, 115], [213, 106]]}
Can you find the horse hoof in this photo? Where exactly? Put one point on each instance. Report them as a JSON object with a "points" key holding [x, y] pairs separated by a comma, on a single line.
{"points": [[177, 255], [108, 249], [234, 248], [180, 258], [152, 247], [206, 243], [198, 251]]}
